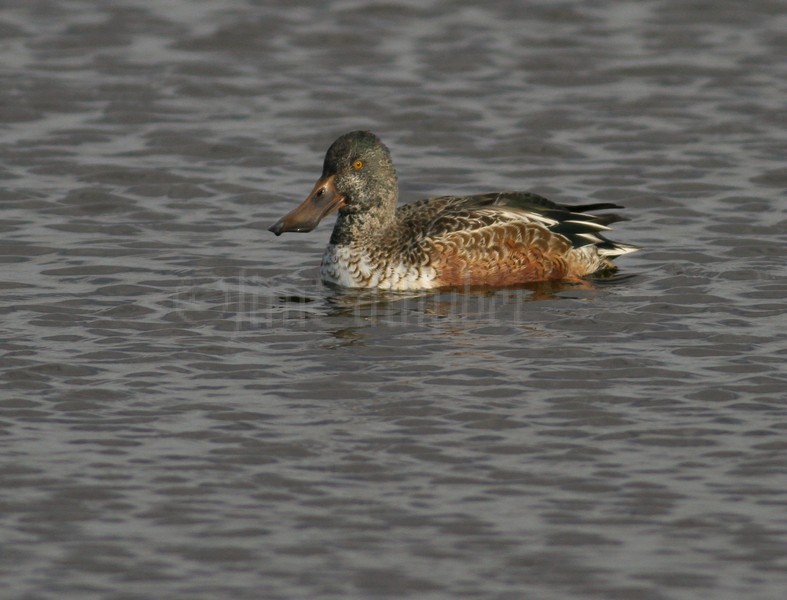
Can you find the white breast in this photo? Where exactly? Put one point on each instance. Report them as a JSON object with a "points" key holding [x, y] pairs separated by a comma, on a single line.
{"points": [[348, 267]]}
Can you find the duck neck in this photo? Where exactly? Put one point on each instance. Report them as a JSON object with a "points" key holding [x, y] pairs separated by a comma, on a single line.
{"points": [[359, 226]]}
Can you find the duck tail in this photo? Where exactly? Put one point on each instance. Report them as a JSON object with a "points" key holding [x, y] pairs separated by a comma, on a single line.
{"points": [[611, 250], [587, 228]]}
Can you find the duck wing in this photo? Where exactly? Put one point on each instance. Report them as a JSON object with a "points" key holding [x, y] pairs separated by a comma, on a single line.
{"points": [[440, 216]]}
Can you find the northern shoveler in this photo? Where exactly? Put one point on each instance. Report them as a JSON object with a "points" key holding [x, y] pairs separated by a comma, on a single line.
{"points": [[489, 240]]}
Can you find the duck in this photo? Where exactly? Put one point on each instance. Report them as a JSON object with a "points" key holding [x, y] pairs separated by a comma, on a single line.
{"points": [[491, 240]]}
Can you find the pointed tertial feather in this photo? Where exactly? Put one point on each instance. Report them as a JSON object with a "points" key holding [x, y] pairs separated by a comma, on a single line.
{"points": [[572, 221]]}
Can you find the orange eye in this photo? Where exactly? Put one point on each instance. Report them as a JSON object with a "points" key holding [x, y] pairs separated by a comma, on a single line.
{"points": [[358, 165]]}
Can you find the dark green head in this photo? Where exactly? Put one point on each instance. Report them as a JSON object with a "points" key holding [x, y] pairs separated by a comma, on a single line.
{"points": [[357, 176], [363, 171]]}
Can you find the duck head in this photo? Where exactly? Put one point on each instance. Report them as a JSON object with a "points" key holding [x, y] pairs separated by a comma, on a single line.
{"points": [[357, 176]]}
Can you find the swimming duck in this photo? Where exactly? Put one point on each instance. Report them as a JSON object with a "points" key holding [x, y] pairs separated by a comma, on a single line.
{"points": [[492, 239]]}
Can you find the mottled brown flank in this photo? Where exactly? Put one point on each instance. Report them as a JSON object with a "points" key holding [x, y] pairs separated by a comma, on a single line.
{"points": [[504, 254]]}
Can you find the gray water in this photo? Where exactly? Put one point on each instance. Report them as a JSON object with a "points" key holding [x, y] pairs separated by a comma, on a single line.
{"points": [[188, 413]]}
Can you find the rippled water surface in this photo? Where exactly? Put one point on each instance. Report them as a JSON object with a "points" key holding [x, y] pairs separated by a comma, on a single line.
{"points": [[186, 412]]}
